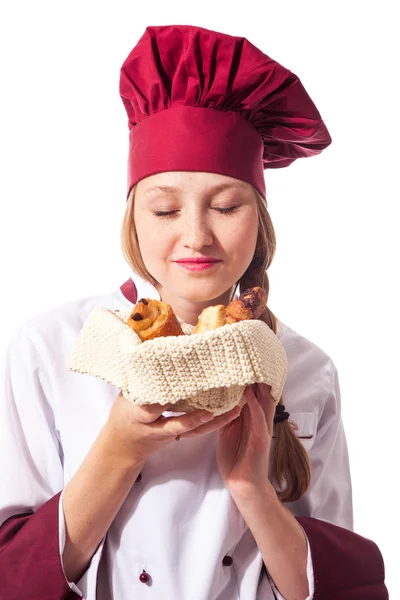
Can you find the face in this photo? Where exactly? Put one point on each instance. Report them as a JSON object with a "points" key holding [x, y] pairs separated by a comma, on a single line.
{"points": [[190, 215]]}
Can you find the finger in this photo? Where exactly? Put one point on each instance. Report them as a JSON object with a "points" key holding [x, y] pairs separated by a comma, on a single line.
{"points": [[257, 414], [149, 413], [253, 404], [214, 424], [267, 403], [250, 395], [174, 426]]}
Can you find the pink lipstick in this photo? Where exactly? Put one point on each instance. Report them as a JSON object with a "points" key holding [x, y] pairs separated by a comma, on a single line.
{"points": [[197, 263]]}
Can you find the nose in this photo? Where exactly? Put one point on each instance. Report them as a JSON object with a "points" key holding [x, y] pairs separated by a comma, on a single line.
{"points": [[197, 233]]}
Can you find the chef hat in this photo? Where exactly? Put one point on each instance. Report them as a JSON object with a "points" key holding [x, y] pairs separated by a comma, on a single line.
{"points": [[199, 100]]}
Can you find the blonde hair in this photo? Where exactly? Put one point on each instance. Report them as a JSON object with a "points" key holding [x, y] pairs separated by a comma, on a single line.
{"points": [[291, 468]]}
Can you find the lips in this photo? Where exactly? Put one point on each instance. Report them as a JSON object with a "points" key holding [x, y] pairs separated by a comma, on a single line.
{"points": [[197, 265], [197, 260]]}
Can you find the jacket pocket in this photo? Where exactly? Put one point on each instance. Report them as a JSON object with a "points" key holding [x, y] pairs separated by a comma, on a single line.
{"points": [[307, 427]]}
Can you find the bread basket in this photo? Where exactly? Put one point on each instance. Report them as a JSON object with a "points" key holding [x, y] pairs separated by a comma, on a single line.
{"points": [[201, 371]]}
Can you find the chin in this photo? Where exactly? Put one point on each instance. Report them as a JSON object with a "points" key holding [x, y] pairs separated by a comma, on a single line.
{"points": [[204, 291]]}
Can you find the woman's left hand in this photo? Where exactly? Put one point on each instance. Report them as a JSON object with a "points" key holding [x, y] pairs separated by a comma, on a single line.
{"points": [[243, 446]]}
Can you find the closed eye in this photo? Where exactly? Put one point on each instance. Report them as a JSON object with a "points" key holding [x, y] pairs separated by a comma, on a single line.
{"points": [[160, 213], [227, 211], [170, 213]]}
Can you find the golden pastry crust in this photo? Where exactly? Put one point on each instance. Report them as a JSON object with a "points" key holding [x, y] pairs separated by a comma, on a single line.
{"points": [[151, 318], [250, 305], [211, 317]]}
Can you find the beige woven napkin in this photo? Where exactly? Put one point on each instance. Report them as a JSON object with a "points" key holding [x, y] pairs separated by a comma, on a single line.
{"points": [[201, 371]]}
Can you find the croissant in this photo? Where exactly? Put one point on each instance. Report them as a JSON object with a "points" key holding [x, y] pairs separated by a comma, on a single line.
{"points": [[152, 318], [210, 318], [250, 305]]}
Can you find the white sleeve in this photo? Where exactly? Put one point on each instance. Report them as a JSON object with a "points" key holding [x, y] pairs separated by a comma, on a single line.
{"points": [[31, 455], [310, 576], [329, 497], [31, 458]]}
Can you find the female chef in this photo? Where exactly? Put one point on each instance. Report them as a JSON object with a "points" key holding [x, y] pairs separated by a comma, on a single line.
{"points": [[97, 498]]}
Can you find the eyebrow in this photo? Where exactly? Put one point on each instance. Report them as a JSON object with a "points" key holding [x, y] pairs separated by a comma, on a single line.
{"points": [[169, 189]]}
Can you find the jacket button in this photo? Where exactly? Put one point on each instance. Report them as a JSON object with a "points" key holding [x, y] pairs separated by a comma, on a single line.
{"points": [[227, 561], [144, 577], [138, 478]]}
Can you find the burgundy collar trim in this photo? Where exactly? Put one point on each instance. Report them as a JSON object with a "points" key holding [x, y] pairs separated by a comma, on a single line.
{"points": [[129, 290]]}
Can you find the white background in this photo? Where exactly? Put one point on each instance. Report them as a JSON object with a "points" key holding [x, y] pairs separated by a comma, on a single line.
{"points": [[334, 279]]}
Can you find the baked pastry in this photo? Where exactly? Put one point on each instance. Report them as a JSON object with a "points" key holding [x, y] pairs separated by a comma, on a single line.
{"points": [[187, 372], [249, 305], [152, 318], [210, 318]]}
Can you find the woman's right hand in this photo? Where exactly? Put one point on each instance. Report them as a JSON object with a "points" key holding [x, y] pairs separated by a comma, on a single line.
{"points": [[136, 432]]}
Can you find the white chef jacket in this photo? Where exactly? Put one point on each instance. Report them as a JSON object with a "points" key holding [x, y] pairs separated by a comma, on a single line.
{"points": [[179, 521]]}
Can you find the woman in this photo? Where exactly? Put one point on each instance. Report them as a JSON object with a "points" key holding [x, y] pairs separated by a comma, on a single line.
{"points": [[99, 501]]}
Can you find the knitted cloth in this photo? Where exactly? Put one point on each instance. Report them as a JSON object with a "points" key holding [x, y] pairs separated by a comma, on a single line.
{"points": [[207, 370]]}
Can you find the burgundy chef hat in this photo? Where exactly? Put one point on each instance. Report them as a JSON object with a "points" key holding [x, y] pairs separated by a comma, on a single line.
{"points": [[199, 100]]}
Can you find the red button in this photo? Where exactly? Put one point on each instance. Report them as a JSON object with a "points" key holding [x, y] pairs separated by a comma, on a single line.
{"points": [[227, 561], [144, 577], [138, 478]]}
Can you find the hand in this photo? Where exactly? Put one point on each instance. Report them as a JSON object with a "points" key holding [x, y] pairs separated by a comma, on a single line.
{"points": [[243, 445], [136, 432]]}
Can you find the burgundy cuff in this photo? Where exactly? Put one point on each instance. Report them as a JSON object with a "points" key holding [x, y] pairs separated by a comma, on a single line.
{"points": [[346, 565], [30, 565]]}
